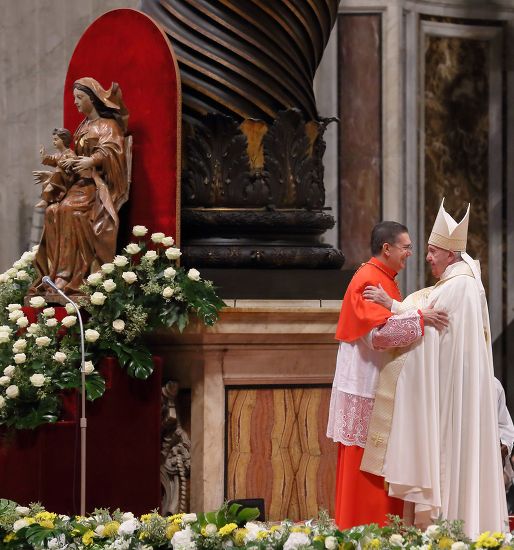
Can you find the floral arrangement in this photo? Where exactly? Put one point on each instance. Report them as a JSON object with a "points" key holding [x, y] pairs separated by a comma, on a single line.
{"points": [[229, 527], [143, 289]]}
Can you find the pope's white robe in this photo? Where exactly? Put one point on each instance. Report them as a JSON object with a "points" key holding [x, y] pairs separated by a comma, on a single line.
{"points": [[442, 452]]}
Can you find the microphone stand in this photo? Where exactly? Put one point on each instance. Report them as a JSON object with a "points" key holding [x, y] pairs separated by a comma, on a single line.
{"points": [[83, 421]]}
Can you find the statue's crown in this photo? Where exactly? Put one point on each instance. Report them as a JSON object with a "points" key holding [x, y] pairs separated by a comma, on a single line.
{"points": [[449, 234]]}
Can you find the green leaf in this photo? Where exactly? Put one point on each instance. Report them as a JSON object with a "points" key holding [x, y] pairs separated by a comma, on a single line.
{"points": [[140, 364], [247, 514], [95, 386]]}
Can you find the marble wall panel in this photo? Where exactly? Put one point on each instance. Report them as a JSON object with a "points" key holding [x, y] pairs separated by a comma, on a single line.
{"points": [[456, 152], [360, 144], [277, 450]]}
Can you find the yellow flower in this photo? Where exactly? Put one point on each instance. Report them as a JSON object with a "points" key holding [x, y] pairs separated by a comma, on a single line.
{"points": [[498, 536], [374, 543], [87, 539], [227, 529], [111, 529], [262, 534], [175, 517], [171, 529], [274, 528], [47, 524], [145, 518], [445, 542], [143, 535], [30, 521], [318, 538], [45, 516], [239, 536], [9, 537]]}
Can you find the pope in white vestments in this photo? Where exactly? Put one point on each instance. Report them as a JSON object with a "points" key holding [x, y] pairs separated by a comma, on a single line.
{"points": [[434, 434]]}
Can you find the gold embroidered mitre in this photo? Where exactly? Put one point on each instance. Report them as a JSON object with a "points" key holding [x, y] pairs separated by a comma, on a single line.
{"points": [[449, 234]]}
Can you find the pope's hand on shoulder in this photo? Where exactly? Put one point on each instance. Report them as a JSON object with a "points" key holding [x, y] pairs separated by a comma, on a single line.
{"points": [[377, 295]]}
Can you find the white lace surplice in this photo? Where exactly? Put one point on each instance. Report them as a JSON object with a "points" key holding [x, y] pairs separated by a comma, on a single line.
{"points": [[356, 377]]}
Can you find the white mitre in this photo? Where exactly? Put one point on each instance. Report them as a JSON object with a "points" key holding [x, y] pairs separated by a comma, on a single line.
{"points": [[449, 234]]}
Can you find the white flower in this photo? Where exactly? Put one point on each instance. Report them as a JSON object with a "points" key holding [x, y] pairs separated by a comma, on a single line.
{"points": [[139, 231], [331, 543], [508, 538], [168, 292], [13, 307], [92, 335], [12, 392], [129, 277], [157, 237], [5, 380], [35, 248], [12, 272], [189, 518], [120, 261], [37, 380], [6, 328], [433, 531], [252, 531], [99, 530], [15, 315], [9, 371], [167, 241], [59, 356], [22, 275], [4, 337], [127, 515], [70, 309], [4, 277], [22, 510], [98, 299], [22, 322], [33, 329], [459, 545], [37, 302], [94, 279], [211, 529], [193, 274], [69, 320], [296, 540], [51, 322], [132, 248], [109, 285], [19, 345], [20, 358], [169, 273], [2, 402], [151, 255], [89, 367], [107, 268], [173, 253], [181, 540], [28, 256], [20, 524], [396, 540], [19, 264], [128, 527], [118, 325], [42, 341], [49, 312]]}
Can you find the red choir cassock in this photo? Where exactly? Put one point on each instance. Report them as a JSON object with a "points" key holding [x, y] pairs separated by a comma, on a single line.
{"points": [[362, 497]]}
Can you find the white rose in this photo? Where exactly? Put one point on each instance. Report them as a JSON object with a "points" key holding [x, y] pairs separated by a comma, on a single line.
{"points": [[181, 540], [28, 256], [168, 241], [120, 261], [4, 277], [109, 285], [70, 309], [4, 337], [20, 358], [5, 380], [99, 530], [9, 371], [151, 255], [2, 402], [15, 315], [22, 510], [92, 335], [37, 302], [42, 341], [189, 518], [193, 274], [168, 292], [396, 540], [35, 248], [169, 273], [107, 268], [19, 264], [22, 322], [118, 325], [296, 540], [59, 356], [12, 392], [20, 524], [94, 279], [51, 322], [89, 367], [33, 329], [127, 515], [19, 345], [139, 231], [12, 272], [128, 527], [331, 543], [22, 275], [98, 299], [132, 248], [211, 529], [13, 307], [129, 277], [157, 237], [69, 320], [433, 531], [49, 312], [173, 253], [37, 380], [6, 328], [459, 545]]}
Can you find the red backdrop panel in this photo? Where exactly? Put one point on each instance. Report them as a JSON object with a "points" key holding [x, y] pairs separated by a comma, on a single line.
{"points": [[128, 47]]}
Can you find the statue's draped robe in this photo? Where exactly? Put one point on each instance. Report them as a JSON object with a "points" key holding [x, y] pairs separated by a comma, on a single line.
{"points": [[80, 232], [435, 439]]}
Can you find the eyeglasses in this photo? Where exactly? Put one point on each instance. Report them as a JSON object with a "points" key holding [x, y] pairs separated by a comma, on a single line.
{"points": [[405, 248]]}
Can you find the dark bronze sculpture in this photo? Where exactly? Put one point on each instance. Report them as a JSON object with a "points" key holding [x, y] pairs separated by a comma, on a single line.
{"points": [[80, 228]]}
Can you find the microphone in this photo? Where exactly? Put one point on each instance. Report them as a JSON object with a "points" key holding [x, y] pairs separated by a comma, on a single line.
{"points": [[83, 421]]}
